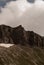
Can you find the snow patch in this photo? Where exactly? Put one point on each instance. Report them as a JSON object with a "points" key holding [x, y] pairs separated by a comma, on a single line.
{"points": [[6, 45]]}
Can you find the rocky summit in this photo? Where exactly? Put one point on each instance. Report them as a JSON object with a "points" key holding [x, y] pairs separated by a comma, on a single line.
{"points": [[18, 35]]}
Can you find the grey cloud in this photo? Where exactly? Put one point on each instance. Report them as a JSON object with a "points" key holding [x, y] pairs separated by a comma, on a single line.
{"points": [[31, 1], [31, 19], [3, 2]]}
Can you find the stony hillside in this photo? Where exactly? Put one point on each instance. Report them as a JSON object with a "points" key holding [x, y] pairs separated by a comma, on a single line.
{"points": [[21, 55]]}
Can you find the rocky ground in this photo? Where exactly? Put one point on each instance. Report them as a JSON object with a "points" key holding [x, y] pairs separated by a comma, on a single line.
{"points": [[21, 55]]}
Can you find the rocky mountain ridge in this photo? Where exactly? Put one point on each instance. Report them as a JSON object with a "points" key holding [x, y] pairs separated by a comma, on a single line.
{"points": [[18, 35], [27, 49]]}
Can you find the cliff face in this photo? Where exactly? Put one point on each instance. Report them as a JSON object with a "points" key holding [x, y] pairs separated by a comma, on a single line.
{"points": [[18, 35], [5, 34], [35, 39], [12, 35]]}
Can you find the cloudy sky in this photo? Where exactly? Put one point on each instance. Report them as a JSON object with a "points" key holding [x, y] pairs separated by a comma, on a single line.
{"points": [[28, 13]]}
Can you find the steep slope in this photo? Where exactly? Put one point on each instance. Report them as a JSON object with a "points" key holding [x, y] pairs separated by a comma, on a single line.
{"points": [[21, 55], [28, 48], [19, 35]]}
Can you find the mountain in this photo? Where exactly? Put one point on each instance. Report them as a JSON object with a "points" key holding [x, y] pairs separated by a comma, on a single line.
{"points": [[28, 48], [18, 35]]}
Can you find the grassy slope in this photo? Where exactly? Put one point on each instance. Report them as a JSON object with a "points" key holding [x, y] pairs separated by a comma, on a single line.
{"points": [[21, 55]]}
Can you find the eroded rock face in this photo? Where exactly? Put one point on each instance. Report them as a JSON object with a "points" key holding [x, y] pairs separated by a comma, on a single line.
{"points": [[12, 35], [19, 35]]}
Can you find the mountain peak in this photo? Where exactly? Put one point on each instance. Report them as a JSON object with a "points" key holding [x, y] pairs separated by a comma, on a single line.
{"points": [[19, 27]]}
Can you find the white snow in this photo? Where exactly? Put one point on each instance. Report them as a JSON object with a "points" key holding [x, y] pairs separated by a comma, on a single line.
{"points": [[6, 45]]}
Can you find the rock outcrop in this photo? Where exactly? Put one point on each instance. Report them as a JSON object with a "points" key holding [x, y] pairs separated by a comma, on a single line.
{"points": [[35, 40], [19, 35]]}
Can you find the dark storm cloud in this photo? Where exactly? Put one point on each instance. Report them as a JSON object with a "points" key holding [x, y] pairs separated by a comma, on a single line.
{"points": [[3, 2], [31, 1]]}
